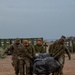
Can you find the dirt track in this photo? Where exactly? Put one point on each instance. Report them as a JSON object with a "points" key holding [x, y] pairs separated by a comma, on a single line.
{"points": [[7, 69]]}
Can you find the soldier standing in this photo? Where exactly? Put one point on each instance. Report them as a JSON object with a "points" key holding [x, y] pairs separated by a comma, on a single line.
{"points": [[57, 50], [18, 54], [39, 48], [31, 51]]}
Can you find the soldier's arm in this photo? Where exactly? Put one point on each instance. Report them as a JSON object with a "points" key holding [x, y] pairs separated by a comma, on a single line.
{"points": [[50, 48], [67, 52], [33, 50], [26, 53], [8, 48]]}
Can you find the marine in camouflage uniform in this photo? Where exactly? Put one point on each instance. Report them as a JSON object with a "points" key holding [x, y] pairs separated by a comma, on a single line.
{"points": [[18, 55], [57, 50], [39, 48], [29, 62]]}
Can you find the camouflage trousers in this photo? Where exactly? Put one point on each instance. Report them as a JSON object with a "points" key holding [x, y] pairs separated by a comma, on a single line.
{"points": [[61, 60], [18, 66], [29, 66]]}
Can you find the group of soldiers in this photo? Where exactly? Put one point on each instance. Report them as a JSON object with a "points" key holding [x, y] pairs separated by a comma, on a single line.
{"points": [[24, 53]]}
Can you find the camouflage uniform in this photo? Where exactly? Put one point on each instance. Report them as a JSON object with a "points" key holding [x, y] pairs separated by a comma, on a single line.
{"points": [[18, 55], [58, 49], [31, 51], [39, 48]]}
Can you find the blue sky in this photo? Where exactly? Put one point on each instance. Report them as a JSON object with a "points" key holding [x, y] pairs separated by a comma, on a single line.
{"points": [[37, 18]]}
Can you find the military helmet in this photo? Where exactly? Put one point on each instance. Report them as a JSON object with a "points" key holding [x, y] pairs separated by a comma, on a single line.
{"points": [[63, 37], [17, 40]]}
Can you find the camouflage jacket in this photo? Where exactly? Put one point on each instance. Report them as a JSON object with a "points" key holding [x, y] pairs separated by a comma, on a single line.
{"points": [[58, 50], [30, 50], [39, 48], [18, 51]]}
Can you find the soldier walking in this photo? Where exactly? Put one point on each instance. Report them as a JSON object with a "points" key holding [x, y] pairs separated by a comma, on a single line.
{"points": [[18, 55], [57, 50], [39, 48], [31, 52]]}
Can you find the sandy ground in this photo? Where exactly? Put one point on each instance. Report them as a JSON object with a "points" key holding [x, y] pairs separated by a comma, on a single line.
{"points": [[7, 69]]}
